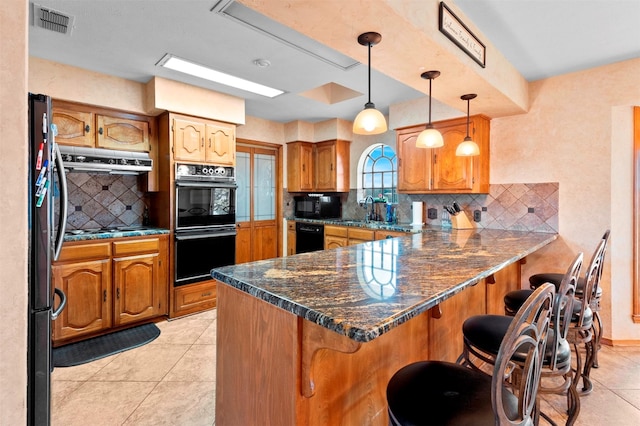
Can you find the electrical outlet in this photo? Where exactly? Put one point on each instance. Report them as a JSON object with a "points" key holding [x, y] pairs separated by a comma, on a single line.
{"points": [[432, 213], [477, 216]]}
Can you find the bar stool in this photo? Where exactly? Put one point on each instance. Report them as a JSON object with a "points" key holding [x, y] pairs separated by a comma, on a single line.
{"points": [[437, 392], [554, 278], [581, 330], [483, 334]]}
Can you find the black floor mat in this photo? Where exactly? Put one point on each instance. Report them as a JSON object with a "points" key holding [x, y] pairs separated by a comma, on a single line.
{"points": [[102, 346]]}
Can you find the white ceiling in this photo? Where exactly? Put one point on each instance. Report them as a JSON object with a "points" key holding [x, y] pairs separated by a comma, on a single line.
{"points": [[126, 38]]}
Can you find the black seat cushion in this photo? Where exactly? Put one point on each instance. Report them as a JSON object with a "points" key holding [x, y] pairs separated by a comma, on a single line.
{"points": [[486, 332], [442, 393], [516, 298], [537, 280]]}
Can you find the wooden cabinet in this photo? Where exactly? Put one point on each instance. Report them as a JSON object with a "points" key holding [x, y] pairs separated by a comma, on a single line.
{"points": [[335, 236], [342, 236], [332, 166], [137, 278], [110, 285], [203, 141], [300, 158], [82, 125], [359, 235], [384, 234], [291, 238], [84, 274], [439, 170], [322, 166], [194, 298]]}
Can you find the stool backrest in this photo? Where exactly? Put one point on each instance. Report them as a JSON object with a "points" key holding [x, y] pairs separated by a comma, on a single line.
{"points": [[591, 282], [527, 334], [563, 306], [596, 284]]}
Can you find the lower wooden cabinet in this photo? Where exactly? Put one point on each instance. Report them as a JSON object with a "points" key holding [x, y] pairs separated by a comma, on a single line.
{"points": [[194, 298], [383, 234], [110, 284], [291, 238]]}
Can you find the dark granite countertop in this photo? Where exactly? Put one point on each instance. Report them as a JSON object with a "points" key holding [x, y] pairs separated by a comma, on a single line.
{"points": [[365, 290], [118, 232]]}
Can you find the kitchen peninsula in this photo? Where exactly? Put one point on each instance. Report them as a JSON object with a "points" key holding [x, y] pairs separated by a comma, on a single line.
{"points": [[314, 338]]}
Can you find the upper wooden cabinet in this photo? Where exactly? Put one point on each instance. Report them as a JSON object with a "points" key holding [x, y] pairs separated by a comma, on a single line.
{"points": [[81, 125], [203, 141], [300, 166], [439, 170], [322, 166], [332, 166]]}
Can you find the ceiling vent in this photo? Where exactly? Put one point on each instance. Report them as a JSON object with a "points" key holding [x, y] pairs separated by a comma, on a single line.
{"points": [[52, 20], [256, 21]]}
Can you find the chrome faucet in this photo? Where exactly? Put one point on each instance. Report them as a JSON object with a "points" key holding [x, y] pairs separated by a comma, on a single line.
{"points": [[370, 214]]}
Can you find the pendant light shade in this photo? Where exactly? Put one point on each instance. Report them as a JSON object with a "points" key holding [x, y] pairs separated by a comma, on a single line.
{"points": [[430, 137], [468, 148], [369, 121]]}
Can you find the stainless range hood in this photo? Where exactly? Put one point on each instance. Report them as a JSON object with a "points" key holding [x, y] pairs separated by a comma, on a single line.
{"points": [[98, 160]]}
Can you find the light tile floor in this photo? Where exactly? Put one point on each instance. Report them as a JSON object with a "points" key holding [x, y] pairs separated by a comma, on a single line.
{"points": [[171, 381]]}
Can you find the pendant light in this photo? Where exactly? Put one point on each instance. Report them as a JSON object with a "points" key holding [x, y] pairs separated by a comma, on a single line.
{"points": [[468, 147], [429, 137], [369, 121]]}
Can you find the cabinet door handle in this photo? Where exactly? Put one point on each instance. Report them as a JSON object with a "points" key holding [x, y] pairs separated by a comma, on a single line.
{"points": [[435, 158], [100, 130], [203, 142], [104, 297], [331, 167], [303, 167], [118, 293], [87, 128], [209, 142]]}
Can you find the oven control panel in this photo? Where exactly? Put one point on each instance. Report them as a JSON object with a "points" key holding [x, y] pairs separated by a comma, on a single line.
{"points": [[206, 172]]}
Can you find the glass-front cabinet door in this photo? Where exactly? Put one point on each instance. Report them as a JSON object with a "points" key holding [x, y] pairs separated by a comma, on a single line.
{"points": [[256, 204]]}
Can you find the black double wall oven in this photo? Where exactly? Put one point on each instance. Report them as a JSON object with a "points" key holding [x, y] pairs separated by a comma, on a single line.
{"points": [[205, 222]]}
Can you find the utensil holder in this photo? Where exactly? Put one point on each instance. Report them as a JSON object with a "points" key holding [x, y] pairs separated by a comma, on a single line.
{"points": [[461, 221]]}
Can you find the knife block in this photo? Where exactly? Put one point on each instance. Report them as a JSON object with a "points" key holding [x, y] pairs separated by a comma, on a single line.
{"points": [[461, 221]]}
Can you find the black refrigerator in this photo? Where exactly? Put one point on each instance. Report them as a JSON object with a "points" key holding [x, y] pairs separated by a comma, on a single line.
{"points": [[46, 178]]}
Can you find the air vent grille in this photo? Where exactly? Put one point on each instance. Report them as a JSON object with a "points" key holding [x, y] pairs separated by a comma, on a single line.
{"points": [[52, 20]]}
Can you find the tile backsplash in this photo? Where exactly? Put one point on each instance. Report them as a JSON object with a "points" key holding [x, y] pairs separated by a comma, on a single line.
{"points": [[102, 200], [518, 206]]}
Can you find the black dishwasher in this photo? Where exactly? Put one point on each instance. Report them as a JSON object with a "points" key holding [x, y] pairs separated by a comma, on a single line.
{"points": [[309, 237]]}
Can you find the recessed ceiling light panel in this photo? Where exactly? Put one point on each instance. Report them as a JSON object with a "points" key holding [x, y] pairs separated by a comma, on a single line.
{"points": [[181, 65]]}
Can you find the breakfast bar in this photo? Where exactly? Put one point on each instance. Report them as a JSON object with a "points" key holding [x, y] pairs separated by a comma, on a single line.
{"points": [[314, 338]]}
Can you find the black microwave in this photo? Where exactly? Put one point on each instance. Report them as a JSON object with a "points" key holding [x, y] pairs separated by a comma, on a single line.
{"points": [[317, 207]]}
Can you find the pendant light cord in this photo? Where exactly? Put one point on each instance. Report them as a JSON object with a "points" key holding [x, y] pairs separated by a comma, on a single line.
{"points": [[430, 80], [468, 100], [369, 44]]}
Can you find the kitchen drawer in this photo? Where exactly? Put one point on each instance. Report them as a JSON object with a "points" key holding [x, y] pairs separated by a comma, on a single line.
{"points": [[336, 231], [83, 250], [194, 297], [361, 234], [121, 248], [381, 235]]}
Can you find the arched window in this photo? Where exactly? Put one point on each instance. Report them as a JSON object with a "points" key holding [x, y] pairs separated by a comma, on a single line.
{"points": [[378, 173]]}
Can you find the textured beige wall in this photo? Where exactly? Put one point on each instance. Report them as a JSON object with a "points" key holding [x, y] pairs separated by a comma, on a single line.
{"points": [[577, 132], [13, 215], [79, 85]]}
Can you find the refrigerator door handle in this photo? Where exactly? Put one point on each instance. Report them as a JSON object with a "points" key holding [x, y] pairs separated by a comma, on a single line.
{"points": [[63, 303], [62, 218]]}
